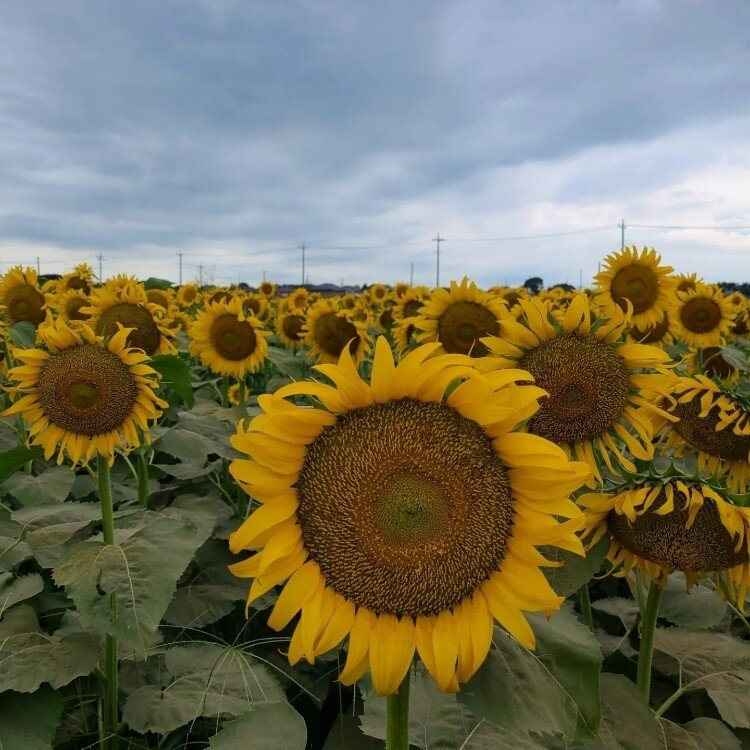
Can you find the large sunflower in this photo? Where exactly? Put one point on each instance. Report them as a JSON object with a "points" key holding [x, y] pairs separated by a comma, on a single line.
{"points": [[129, 307], [81, 396], [637, 280], [227, 340], [701, 316], [21, 299], [457, 318], [330, 329], [406, 520], [681, 525], [713, 421], [600, 397]]}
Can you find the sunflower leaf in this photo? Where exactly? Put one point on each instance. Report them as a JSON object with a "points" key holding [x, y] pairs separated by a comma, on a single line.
{"points": [[576, 571], [29, 657], [14, 458], [23, 334], [699, 609], [202, 679], [280, 726], [19, 589], [52, 485], [28, 722], [152, 282], [141, 570], [704, 733], [175, 373]]}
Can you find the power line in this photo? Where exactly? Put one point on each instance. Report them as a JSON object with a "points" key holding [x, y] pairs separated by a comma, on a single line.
{"points": [[531, 236], [677, 226]]}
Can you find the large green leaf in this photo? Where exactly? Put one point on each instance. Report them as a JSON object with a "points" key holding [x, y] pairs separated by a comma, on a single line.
{"points": [[28, 722], [575, 570], [699, 608], [51, 486], [554, 689], [714, 662], [175, 374], [291, 365], [700, 734], [142, 570], [14, 458], [278, 724], [29, 657], [152, 282], [202, 679], [192, 446], [23, 334], [14, 590]]}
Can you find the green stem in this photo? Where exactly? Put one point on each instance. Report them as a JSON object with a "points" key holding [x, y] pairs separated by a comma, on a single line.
{"points": [[397, 718], [646, 649], [142, 478], [242, 392], [225, 392], [585, 603], [111, 719]]}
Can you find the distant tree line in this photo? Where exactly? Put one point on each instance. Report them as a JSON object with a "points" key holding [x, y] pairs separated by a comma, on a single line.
{"points": [[733, 286]]}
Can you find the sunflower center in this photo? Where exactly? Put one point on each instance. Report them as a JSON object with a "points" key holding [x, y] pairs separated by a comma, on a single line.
{"points": [[706, 545], [462, 325], [412, 307], [405, 506], [76, 282], [292, 327], [701, 432], [588, 386], [25, 303], [333, 332], [73, 308], [145, 334], [87, 390], [714, 365], [233, 339], [638, 284], [700, 315], [651, 334]]}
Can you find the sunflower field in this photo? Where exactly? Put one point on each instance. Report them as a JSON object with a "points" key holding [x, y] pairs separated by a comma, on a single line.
{"points": [[402, 518]]}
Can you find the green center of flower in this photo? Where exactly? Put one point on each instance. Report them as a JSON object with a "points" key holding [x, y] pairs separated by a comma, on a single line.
{"points": [[232, 338], [82, 394], [145, 334], [462, 325], [636, 283], [700, 315], [333, 332]]}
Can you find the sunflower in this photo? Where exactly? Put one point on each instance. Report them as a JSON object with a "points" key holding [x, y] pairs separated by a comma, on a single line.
{"points": [[404, 336], [700, 316], [400, 289], [686, 282], [458, 318], [713, 420], [408, 305], [121, 280], [21, 299], [219, 295], [162, 297], [228, 341], [290, 328], [255, 305], [234, 394], [129, 307], [599, 394], [69, 305], [638, 280], [402, 518], [298, 298], [710, 361], [654, 334], [378, 293], [329, 330], [681, 525], [267, 289], [83, 397], [80, 279], [187, 295]]}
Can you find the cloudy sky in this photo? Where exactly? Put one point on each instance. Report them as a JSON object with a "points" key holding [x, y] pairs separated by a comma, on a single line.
{"points": [[234, 130]]}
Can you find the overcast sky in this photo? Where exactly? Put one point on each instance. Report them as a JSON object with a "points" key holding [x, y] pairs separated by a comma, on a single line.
{"points": [[234, 130]]}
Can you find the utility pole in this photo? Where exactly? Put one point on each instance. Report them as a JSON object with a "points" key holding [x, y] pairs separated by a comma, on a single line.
{"points": [[411, 275], [621, 225], [580, 279], [100, 258], [200, 274], [264, 275], [180, 254], [302, 247], [38, 267], [437, 240]]}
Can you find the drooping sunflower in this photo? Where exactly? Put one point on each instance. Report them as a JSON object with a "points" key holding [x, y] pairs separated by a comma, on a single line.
{"points": [[128, 306], [165, 298], [21, 299], [81, 396], [400, 289], [712, 420], [638, 280], [290, 328], [681, 525], [228, 340], [655, 334], [457, 318], [601, 387], [403, 519], [710, 361], [329, 330], [80, 279], [700, 316]]}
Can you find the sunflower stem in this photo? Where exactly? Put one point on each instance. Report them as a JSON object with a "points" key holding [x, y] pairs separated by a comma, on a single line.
{"points": [[110, 719], [585, 604], [397, 717], [646, 649], [225, 392], [242, 391], [142, 478]]}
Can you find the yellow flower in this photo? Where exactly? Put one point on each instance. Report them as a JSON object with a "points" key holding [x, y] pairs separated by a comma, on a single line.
{"points": [[227, 340], [187, 295], [458, 318], [21, 299], [69, 304], [289, 328], [599, 394], [403, 519], [83, 397], [700, 316], [637, 280], [682, 525], [329, 330]]}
